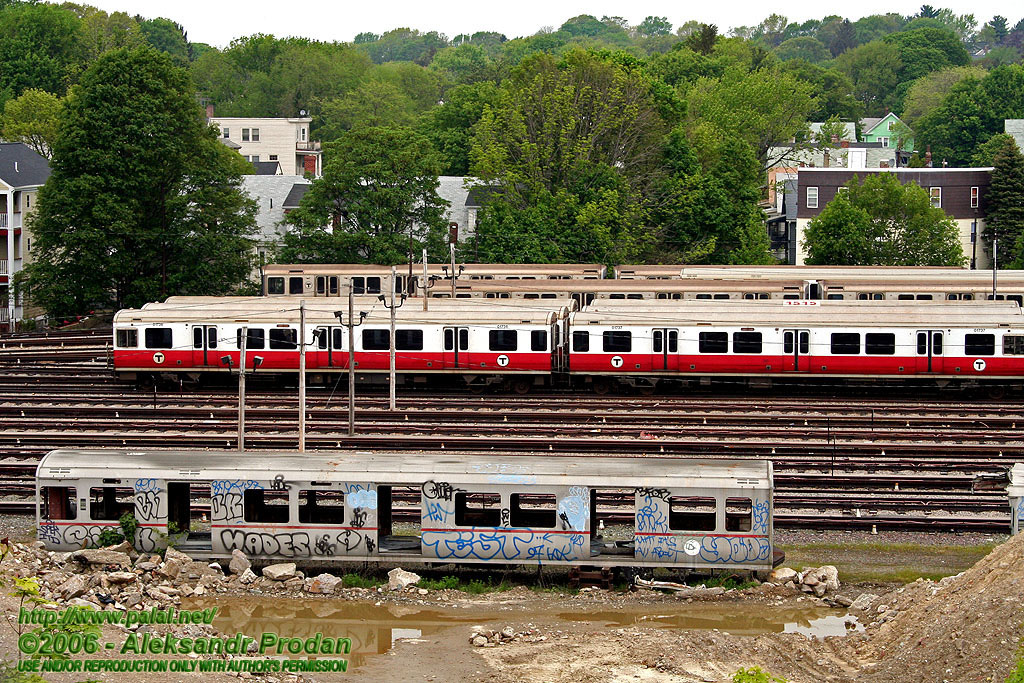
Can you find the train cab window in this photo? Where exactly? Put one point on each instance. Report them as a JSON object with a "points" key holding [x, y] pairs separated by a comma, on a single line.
{"points": [[924, 297], [835, 297], [477, 509], [980, 344], [321, 285], [260, 506], [284, 338], [845, 343], [764, 295], [295, 285], [377, 340], [746, 342], [749, 296], [408, 340], [502, 340], [127, 339], [254, 338], [358, 285], [321, 507], [373, 285], [1018, 298], [110, 502], [1013, 345], [905, 297], [703, 297], [158, 338], [713, 342], [580, 340], [58, 502], [539, 340], [616, 296], [880, 343], [692, 514], [549, 295], [275, 285], [617, 341], [533, 510], [336, 338], [739, 514], [952, 297]]}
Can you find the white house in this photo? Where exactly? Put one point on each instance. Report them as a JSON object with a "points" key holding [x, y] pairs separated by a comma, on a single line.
{"points": [[284, 140], [22, 173]]}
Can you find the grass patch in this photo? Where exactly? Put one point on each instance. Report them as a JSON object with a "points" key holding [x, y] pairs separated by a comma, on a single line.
{"points": [[444, 583], [359, 581], [477, 587]]}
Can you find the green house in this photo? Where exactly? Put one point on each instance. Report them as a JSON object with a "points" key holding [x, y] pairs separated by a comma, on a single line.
{"points": [[889, 130]]}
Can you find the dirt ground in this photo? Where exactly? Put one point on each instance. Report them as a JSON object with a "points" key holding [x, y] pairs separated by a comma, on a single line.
{"points": [[965, 627]]}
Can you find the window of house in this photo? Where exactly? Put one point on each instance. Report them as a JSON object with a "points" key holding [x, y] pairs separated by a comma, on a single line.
{"points": [[321, 507], [254, 158], [227, 132], [884, 141], [617, 341], [127, 339], [58, 502], [376, 340], [255, 134], [273, 157], [892, 124], [284, 338], [739, 514], [935, 194], [845, 343], [260, 506], [254, 338], [580, 340], [974, 198], [533, 510], [302, 134], [245, 135], [275, 285], [713, 342], [812, 198], [746, 342], [1013, 345], [539, 340], [477, 509], [880, 343], [110, 502], [980, 344], [502, 340], [688, 513], [158, 338]]}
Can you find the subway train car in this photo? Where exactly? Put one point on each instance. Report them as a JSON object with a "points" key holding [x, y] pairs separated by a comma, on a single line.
{"points": [[468, 509]]}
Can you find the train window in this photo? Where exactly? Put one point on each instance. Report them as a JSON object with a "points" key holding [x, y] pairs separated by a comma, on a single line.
{"points": [[968, 297], [549, 296], [321, 284], [275, 285], [336, 338], [616, 296], [359, 285], [746, 342], [110, 502], [721, 296], [409, 340], [764, 295], [503, 340], [713, 342], [127, 339], [738, 514], [880, 343], [924, 297], [664, 295], [158, 338], [531, 296], [877, 296], [477, 509], [790, 296], [905, 297], [332, 285], [658, 341], [1013, 345], [321, 335], [952, 297], [980, 344], [373, 285], [295, 285], [321, 507], [254, 338], [260, 506], [58, 502], [376, 340], [845, 343], [580, 340], [197, 337], [533, 510], [1018, 298], [617, 342], [282, 338], [834, 297], [703, 296], [539, 340], [636, 296], [863, 296], [692, 514]]}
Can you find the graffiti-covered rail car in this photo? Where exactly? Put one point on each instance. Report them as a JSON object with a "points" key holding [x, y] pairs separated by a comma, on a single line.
{"points": [[688, 514]]}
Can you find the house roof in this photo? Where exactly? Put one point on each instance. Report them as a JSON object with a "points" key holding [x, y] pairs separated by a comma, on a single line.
{"points": [[849, 130], [867, 125], [228, 142], [295, 195], [21, 166], [267, 167]]}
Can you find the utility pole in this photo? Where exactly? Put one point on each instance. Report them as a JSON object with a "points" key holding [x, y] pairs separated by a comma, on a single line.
{"points": [[392, 307], [241, 390], [302, 376], [423, 283], [453, 237], [351, 325], [995, 261]]}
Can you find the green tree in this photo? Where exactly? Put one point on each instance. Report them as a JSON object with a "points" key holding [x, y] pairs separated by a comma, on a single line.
{"points": [[168, 37], [143, 201], [40, 47], [880, 222], [654, 26], [832, 88], [803, 47], [33, 119], [1005, 212], [377, 202], [927, 92], [370, 104], [449, 126], [986, 153], [874, 69], [101, 32]]}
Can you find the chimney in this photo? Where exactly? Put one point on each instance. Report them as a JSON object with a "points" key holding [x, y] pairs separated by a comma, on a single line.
{"points": [[309, 164], [209, 111], [883, 164], [845, 144], [928, 157], [826, 161]]}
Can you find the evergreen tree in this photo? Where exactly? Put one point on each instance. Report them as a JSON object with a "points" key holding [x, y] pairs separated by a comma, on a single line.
{"points": [[1005, 212]]}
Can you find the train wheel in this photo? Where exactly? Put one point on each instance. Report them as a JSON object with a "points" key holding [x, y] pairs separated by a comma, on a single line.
{"points": [[996, 391], [602, 386], [521, 386], [646, 390]]}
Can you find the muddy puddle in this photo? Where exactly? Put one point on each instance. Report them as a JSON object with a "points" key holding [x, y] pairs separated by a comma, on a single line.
{"points": [[374, 629]]}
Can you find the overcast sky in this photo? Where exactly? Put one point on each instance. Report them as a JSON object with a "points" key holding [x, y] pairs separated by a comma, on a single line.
{"points": [[217, 22]]}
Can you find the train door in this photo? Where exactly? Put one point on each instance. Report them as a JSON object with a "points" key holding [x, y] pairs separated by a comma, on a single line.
{"points": [[329, 351], [929, 351], [665, 347], [326, 285], [456, 347], [204, 345], [797, 349]]}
